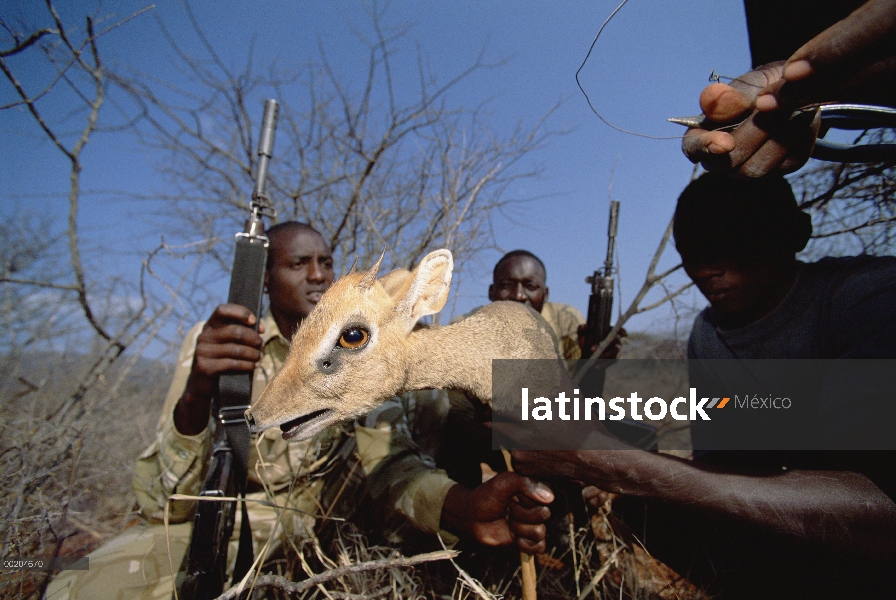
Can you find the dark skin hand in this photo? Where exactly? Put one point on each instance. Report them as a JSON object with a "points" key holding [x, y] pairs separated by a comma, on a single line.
{"points": [[505, 509], [612, 351], [228, 343], [842, 511], [851, 61]]}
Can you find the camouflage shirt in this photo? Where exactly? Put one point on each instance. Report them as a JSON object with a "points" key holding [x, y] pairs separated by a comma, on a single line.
{"points": [[565, 321]]}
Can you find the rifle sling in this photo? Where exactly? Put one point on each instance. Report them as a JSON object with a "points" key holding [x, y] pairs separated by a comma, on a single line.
{"points": [[235, 389]]}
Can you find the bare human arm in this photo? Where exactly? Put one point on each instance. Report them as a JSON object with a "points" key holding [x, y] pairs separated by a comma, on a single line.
{"points": [[227, 343], [839, 510], [851, 61]]}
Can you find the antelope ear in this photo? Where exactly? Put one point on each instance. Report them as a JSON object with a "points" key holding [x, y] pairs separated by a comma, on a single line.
{"points": [[429, 287], [396, 283]]}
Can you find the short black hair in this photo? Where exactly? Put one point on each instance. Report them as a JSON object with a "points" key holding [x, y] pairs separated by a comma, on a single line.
{"points": [[517, 254], [286, 227], [725, 217]]}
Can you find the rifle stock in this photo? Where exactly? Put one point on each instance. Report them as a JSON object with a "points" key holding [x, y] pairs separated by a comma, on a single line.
{"points": [[204, 570]]}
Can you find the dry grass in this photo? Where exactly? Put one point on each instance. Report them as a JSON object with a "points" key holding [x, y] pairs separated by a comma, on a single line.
{"points": [[67, 482], [68, 490]]}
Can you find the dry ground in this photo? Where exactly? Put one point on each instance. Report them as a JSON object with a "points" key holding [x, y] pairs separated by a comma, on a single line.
{"points": [[67, 490]]}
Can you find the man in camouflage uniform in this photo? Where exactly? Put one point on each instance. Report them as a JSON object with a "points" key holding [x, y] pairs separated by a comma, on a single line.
{"points": [[324, 476]]}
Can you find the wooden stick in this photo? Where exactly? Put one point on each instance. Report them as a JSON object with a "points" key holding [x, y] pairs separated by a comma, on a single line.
{"points": [[527, 561]]}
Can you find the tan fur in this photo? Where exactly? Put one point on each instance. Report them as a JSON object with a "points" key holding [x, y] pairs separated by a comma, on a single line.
{"points": [[396, 358]]}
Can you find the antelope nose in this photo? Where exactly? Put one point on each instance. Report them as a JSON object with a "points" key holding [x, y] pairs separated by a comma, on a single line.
{"points": [[250, 420]]}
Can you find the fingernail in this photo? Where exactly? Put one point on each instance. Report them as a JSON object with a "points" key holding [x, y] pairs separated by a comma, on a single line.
{"points": [[798, 69], [544, 492], [716, 149], [766, 102]]}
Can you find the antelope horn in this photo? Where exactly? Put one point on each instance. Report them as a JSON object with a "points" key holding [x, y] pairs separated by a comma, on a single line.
{"points": [[370, 277], [354, 267]]}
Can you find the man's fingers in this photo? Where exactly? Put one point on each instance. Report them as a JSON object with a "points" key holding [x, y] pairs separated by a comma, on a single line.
{"points": [[216, 366], [537, 491], [863, 35], [529, 538], [798, 69], [228, 313], [532, 515], [722, 103], [530, 547], [232, 350], [507, 485], [230, 333], [701, 146]]}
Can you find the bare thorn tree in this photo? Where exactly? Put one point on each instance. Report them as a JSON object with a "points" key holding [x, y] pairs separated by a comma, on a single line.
{"points": [[853, 206], [374, 164], [66, 323]]}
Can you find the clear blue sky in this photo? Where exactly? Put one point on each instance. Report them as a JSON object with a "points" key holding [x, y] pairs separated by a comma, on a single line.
{"points": [[650, 63]]}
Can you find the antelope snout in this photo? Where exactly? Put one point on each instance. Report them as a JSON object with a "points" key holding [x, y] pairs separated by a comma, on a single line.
{"points": [[250, 421]]}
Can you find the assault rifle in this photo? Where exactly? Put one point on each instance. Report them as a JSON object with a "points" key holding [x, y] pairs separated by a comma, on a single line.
{"points": [[600, 309], [600, 302], [597, 327], [204, 570]]}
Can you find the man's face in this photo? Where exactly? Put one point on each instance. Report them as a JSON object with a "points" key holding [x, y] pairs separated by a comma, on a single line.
{"points": [[520, 279], [301, 270], [740, 291]]}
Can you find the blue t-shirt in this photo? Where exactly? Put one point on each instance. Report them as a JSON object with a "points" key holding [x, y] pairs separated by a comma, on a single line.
{"points": [[837, 308]]}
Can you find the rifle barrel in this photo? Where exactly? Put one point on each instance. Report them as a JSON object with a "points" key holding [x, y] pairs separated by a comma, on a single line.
{"points": [[611, 236], [265, 145]]}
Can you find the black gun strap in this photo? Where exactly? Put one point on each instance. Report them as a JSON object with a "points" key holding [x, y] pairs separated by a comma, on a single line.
{"points": [[244, 555], [235, 389], [234, 397]]}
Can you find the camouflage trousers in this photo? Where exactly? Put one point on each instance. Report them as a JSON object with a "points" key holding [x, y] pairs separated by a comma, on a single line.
{"points": [[136, 564]]}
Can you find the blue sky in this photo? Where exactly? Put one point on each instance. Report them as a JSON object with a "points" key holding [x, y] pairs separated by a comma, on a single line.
{"points": [[650, 63]]}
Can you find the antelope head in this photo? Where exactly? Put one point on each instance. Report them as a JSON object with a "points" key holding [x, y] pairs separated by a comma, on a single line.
{"points": [[351, 353]]}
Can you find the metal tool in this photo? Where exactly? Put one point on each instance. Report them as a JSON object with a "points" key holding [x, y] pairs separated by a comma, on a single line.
{"points": [[853, 117]]}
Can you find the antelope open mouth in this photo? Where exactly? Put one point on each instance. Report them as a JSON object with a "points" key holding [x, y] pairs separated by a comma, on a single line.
{"points": [[306, 425]]}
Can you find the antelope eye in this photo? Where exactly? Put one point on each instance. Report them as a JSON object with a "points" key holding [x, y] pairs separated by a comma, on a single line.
{"points": [[353, 338]]}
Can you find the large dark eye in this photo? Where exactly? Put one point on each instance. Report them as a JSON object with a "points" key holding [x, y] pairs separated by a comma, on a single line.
{"points": [[353, 338]]}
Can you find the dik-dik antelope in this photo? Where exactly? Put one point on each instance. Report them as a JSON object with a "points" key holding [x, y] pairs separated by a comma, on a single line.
{"points": [[359, 347]]}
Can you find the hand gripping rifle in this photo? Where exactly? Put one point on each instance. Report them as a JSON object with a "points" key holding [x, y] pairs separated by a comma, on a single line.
{"points": [[204, 570]]}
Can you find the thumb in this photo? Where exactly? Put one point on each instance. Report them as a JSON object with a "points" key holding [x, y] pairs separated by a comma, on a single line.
{"points": [[536, 491], [722, 103]]}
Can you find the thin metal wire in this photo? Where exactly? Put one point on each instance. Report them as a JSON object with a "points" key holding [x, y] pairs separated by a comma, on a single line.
{"points": [[594, 110]]}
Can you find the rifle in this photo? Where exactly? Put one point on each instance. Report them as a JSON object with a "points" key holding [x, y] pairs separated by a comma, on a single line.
{"points": [[204, 570], [600, 308], [600, 302], [597, 327]]}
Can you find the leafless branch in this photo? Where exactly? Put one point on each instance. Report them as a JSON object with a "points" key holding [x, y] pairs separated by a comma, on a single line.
{"points": [[36, 283]]}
